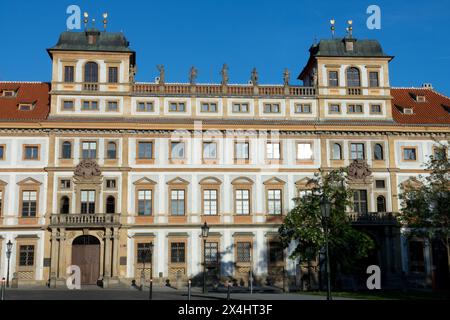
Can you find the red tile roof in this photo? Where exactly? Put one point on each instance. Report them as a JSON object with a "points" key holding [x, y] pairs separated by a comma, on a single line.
{"points": [[435, 109], [36, 93]]}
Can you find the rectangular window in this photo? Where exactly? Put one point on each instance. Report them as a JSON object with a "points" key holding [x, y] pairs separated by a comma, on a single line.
{"points": [[145, 202], [355, 108], [145, 107], [243, 253], [177, 107], [374, 81], [87, 201], [90, 105], [69, 72], [416, 256], [26, 107], [144, 253], [26, 256], [360, 201], [209, 150], [209, 107], [409, 154], [304, 151], [241, 150], [334, 108], [177, 200], [333, 79], [243, 202], [113, 75], [375, 108], [276, 254], [210, 202], [271, 108], [380, 184], [65, 184], [145, 150], [2, 152], [274, 202], [89, 150], [357, 151], [240, 108], [302, 108], [111, 184], [177, 252], [273, 150], [112, 106], [31, 153], [178, 150], [211, 253], [29, 203], [68, 105]]}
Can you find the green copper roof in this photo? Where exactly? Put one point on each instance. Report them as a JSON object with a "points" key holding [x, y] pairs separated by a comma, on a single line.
{"points": [[104, 42], [337, 48]]}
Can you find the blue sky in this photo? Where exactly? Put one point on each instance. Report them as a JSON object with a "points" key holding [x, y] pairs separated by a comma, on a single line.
{"points": [[269, 35]]}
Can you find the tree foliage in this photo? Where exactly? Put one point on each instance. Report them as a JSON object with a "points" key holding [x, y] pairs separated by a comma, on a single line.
{"points": [[304, 223], [426, 203]]}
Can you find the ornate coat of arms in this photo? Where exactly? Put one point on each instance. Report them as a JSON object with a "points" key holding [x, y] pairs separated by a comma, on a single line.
{"points": [[359, 170], [87, 169]]}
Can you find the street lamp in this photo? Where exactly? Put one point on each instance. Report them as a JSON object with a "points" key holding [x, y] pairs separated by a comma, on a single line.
{"points": [[151, 271], [205, 233], [325, 209], [9, 246]]}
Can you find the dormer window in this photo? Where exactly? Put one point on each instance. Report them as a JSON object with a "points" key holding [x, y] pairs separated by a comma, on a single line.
{"points": [[26, 107], [408, 111], [421, 99], [446, 108], [8, 93]]}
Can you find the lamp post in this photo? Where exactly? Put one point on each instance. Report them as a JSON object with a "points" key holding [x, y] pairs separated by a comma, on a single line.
{"points": [[9, 246], [325, 209], [205, 232], [151, 271]]}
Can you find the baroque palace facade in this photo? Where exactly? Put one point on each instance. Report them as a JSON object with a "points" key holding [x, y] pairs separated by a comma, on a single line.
{"points": [[97, 170]]}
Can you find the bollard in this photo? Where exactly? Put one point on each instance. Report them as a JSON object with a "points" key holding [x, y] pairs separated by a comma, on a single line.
{"points": [[189, 290], [229, 291], [2, 289], [151, 289]]}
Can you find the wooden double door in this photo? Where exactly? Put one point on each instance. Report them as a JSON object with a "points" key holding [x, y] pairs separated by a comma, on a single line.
{"points": [[86, 255]]}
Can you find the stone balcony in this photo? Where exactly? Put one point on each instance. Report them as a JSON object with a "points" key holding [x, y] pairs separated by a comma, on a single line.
{"points": [[373, 218], [85, 220]]}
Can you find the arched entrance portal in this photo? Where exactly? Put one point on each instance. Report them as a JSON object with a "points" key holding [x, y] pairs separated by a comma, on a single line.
{"points": [[86, 255]]}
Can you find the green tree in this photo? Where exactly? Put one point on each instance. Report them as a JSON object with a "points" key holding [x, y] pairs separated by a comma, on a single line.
{"points": [[304, 224], [426, 206]]}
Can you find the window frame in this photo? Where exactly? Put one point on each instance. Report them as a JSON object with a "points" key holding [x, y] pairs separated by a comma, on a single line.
{"points": [[357, 151], [302, 160], [90, 142], [147, 160], [34, 146], [416, 154], [146, 104]]}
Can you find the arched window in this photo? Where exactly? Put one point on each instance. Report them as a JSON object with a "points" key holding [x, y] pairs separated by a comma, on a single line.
{"points": [[66, 150], [65, 205], [378, 152], [91, 72], [381, 204], [110, 205], [112, 151], [337, 151], [353, 77]]}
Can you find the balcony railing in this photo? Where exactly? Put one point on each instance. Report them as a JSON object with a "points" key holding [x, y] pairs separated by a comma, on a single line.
{"points": [[85, 220], [90, 86], [373, 218], [214, 89], [354, 91]]}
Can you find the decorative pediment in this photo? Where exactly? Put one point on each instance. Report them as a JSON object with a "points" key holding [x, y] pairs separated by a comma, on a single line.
{"points": [[178, 180], [29, 182], [144, 181], [3, 183], [242, 180], [359, 170], [306, 183], [411, 184], [210, 180], [274, 180], [87, 170]]}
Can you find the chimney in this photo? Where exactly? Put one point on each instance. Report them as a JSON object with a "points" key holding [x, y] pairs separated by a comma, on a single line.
{"points": [[427, 86]]}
